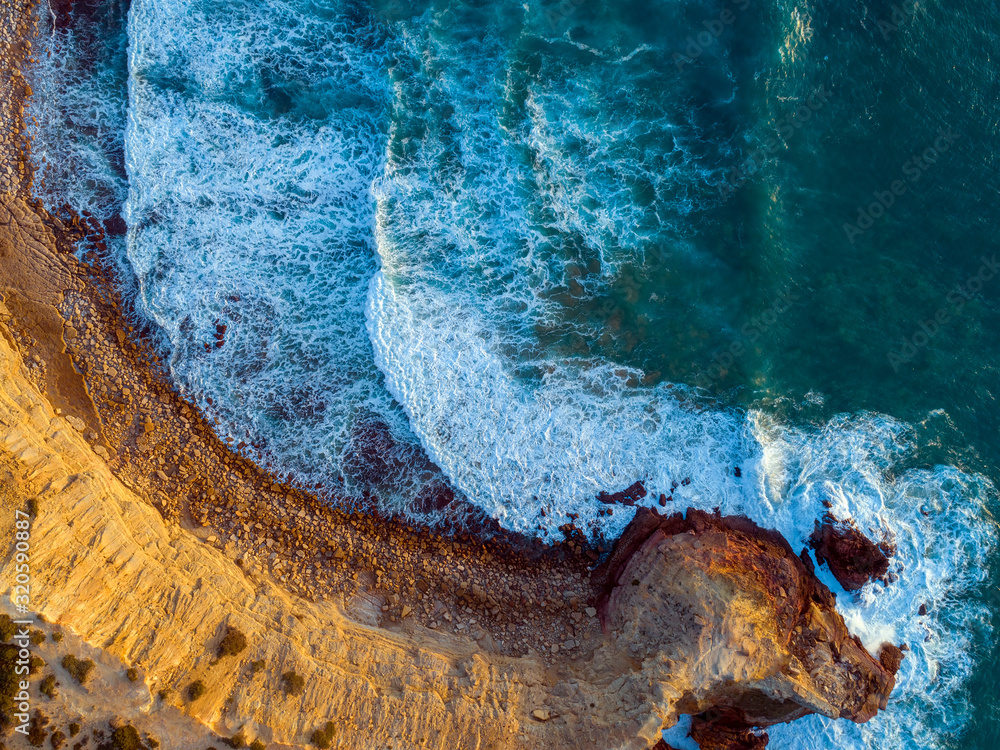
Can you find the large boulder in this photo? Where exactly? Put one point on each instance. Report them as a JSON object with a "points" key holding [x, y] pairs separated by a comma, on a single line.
{"points": [[729, 625], [853, 558]]}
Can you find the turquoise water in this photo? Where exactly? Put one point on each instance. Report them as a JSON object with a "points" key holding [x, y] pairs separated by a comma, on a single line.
{"points": [[540, 250]]}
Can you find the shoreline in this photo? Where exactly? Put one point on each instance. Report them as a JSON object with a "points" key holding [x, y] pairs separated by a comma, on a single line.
{"points": [[107, 380], [511, 617]]}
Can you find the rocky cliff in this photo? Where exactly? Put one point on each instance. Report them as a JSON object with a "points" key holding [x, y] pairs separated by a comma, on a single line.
{"points": [[700, 614]]}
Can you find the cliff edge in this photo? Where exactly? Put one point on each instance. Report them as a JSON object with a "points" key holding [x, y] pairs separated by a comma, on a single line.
{"points": [[701, 615]]}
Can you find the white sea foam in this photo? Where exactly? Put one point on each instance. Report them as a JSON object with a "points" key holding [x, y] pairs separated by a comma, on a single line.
{"points": [[76, 115], [252, 145]]}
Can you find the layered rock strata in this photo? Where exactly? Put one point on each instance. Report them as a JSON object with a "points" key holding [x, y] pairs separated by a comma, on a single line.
{"points": [[706, 613]]}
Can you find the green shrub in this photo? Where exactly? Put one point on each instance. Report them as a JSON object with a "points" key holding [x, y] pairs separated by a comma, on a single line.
{"points": [[125, 738], [79, 669], [37, 637], [323, 738], [35, 664], [238, 740], [257, 666], [7, 628], [9, 680], [74, 729], [293, 683], [57, 636], [133, 674], [196, 689], [257, 745], [36, 729], [232, 643], [33, 506], [152, 742], [48, 686], [57, 739]]}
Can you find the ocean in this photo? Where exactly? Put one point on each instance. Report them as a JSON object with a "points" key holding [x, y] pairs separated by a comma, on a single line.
{"points": [[540, 250]]}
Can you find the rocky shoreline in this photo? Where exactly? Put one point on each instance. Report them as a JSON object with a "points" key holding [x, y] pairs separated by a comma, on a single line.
{"points": [[155, 535]]}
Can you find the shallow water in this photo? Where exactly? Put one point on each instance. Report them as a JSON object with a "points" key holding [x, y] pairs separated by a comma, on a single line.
{"points": [[543, 250]]}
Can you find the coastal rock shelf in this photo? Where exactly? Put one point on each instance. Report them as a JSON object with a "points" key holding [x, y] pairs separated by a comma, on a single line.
{"points": [[702, 614]]}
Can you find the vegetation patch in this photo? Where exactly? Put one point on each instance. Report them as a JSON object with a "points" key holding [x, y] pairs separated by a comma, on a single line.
{"points": [[37, 730], [7, 628], [8, 682], [123, 738], [323, 738], [232, 643], [196, 689], [79, 669], [35, 664], [48, 687], [293, 683]]}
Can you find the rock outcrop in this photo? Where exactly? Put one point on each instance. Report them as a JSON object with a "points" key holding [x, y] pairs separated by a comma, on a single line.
{"points": [[729, 623], [853, 558]]}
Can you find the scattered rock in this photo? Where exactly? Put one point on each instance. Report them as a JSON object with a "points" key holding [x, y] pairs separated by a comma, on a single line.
{"points": [[629, 496], [725, 732]]}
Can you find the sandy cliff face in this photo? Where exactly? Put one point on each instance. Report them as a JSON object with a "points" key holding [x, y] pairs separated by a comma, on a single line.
{"points": [[700, 614], [107, 567]]}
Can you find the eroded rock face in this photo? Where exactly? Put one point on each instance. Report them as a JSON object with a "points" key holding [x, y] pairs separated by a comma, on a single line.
{"points": [[853, 558], [719, 732], [729, 623], [707, 616]]}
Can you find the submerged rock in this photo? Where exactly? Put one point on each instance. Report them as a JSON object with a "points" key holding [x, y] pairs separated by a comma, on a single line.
{"points": [[853, 558]]}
